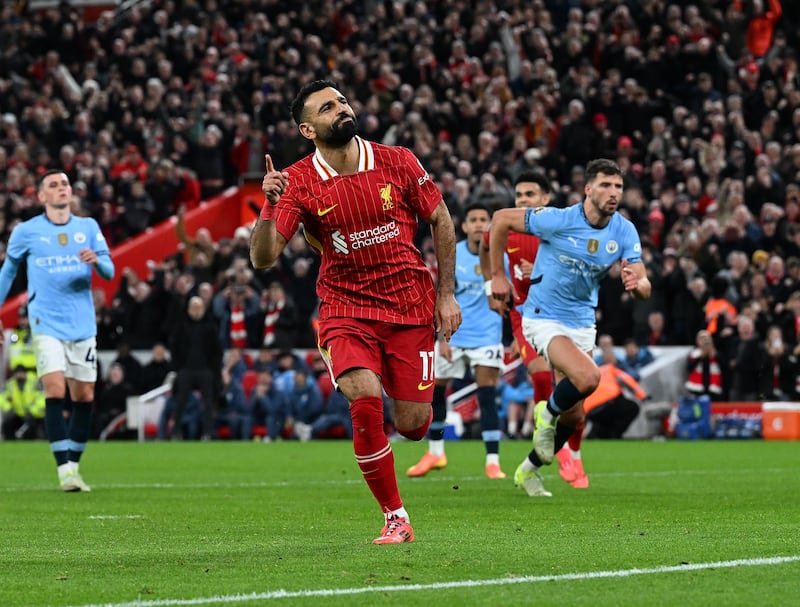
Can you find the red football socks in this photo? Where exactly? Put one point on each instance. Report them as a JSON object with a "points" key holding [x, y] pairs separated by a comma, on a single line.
{"points": [[374, 452]]}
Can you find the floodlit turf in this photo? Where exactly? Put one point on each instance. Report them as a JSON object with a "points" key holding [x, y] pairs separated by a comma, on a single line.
{"points": [[663, 523]]}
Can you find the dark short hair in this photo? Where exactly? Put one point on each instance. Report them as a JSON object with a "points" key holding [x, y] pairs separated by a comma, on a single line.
{"points": [[299, 102], [49, 172], [477, 206], [601, 165], [534, 177]]}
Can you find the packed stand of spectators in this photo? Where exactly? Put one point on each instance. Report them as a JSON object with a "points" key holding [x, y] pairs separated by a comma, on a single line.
{"points": [[272, 309], [153, 109]]}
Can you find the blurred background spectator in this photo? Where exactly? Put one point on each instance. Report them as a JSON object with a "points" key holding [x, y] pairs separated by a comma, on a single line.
{"points": [[22, 406]]}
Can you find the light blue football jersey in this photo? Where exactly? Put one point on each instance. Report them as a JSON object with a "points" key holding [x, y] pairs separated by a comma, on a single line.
{"points": [[480, 326], [59, 283], [573, 258]]}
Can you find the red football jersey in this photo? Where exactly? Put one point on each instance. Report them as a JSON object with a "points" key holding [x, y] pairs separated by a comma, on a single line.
{"points": [[519, 247], [363, 226]]}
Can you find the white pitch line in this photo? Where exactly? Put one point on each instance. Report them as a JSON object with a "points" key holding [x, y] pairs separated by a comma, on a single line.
{"points": [[113, 517], [359, 481], [528, 579]]}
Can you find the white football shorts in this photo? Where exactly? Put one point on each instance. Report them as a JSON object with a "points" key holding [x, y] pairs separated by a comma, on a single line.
{"points": [[486, 356], [77, 359], [540, 333]]}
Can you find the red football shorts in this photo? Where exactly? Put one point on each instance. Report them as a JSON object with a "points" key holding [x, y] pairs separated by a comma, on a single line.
{"points": [[526, 351], [401, 355]]}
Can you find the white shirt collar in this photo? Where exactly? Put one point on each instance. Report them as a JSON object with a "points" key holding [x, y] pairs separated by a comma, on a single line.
{"points": [[366, 160]]}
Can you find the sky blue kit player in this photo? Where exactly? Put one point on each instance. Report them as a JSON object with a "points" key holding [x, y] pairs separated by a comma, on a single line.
{"points": [[578, 246], [476, 346], [61, 250], [59, 283], [477, 327]]}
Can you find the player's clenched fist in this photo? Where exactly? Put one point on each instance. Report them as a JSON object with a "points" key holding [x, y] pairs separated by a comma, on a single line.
{"points": [[274, 182]]}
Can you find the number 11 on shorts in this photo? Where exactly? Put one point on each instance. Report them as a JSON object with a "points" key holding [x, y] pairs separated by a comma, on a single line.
{"points": [[427, 370]]}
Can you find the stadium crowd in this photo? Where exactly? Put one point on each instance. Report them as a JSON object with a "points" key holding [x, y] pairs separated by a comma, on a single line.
{"points": [[152, 109]]}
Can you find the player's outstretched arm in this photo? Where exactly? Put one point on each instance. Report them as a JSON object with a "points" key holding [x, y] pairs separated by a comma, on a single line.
{"points": [[503, 221]]}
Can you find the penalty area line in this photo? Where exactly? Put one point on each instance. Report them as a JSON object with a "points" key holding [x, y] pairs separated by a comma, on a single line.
{"points": [[528, 579]]}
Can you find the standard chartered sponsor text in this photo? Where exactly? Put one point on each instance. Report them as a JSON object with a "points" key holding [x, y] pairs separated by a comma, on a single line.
{"points": [[376, 235]]}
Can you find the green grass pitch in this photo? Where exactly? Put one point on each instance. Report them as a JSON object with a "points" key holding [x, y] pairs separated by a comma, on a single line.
{"points": [[289, 523]]}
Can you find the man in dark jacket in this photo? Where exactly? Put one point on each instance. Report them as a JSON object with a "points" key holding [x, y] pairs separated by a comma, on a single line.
{"points": [[197, 359]]}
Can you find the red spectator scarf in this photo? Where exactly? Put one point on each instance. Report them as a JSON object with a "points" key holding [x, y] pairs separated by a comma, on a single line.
{"points": [[273, 312], [238, 332], [695, 382]]}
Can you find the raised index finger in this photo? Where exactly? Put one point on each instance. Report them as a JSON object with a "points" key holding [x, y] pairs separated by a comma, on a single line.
{"points": [[270, 166]]}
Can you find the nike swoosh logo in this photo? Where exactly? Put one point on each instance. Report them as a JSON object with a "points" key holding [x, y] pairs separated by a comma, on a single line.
{"points": [[514, 250], [323, 212], [421, 386]]}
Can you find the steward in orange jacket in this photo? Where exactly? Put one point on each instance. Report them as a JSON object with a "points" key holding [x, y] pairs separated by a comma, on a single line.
{"points": [[609, 408]]}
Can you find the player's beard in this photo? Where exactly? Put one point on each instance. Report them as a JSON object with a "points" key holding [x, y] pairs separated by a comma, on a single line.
{"points": [[341, 133], [602, 211]]}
